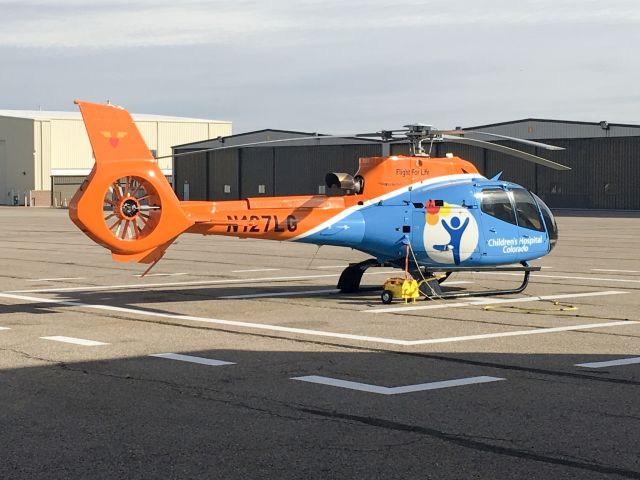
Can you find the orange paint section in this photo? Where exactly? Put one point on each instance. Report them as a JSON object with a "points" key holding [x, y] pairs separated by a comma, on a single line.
{"points": [[109, 208]]}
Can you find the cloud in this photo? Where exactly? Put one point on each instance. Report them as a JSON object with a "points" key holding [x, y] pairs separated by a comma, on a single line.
{"points": [[117, 23]]}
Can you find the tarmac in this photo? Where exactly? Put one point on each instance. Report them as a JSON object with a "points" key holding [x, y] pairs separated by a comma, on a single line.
{"points": [[238, 359]]}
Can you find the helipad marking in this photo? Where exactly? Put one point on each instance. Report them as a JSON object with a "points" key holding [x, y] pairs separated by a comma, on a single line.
{"points": [[281, 294], [493, 301], [364, 387], [76, 341], [616, 271], [182, 284], [55, 279], [179, 274], [171, 284], [256, 270], [316, 333], [191, 359], [610, 363], [517, 333]]}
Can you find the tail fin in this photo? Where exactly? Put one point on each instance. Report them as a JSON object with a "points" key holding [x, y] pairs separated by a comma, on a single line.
{"points": [[126, 203]]}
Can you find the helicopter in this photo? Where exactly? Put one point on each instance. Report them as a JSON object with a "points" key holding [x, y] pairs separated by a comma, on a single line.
{"points": [[430, 216]]}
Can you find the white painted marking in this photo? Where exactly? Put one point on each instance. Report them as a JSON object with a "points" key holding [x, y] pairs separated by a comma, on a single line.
{"points": [[173, 284], [610, 363], [191, 359], [281, 294], [533, 331], [492, 301], [544, 267], [611, 270], [76, 341], [364, 387], [304, 331], [5, 328], [161, 274], [143, 286], [256, 270], [55, 279], [333, 266]]}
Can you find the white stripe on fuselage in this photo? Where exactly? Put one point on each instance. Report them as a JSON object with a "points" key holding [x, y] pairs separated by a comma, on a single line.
{"points": [[458, 178]]}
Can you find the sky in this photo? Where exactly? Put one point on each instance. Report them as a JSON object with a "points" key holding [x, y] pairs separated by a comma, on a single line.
{"points": [[324, 65]]}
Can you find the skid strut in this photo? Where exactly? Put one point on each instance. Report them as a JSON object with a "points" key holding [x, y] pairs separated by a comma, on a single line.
{"points": [[349, 281]]}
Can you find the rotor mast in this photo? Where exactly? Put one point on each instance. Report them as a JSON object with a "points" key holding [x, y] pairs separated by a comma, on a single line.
{"points": [[418, 133]]}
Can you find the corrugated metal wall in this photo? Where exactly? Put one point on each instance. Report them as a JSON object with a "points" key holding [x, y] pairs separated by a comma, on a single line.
{"points": [[224, 175], [256, 172], [190, 176], [263, 171]]}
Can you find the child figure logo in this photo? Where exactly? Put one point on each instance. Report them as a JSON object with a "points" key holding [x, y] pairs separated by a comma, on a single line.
{"points": [[450, 233]]}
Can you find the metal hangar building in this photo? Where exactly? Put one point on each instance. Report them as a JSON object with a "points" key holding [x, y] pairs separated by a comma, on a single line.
{"points": [[45, 155], [604, 157]]}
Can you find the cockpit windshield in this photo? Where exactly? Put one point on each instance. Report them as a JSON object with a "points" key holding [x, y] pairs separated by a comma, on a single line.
{"points": [[549, 220], [527, 212]]}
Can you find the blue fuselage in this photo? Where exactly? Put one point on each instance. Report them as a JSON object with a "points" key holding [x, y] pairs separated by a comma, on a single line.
{"points": [[460, 220]]}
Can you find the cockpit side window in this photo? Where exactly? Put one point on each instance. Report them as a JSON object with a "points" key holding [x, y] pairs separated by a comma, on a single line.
{"points": [[527, 211], [496, 203]]}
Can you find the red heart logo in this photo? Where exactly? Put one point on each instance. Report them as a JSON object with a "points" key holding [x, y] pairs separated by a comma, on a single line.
{"points": [[114, 141]]}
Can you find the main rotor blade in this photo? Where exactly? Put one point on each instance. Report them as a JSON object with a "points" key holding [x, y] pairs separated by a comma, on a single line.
{"points": [[506, 150], [515, 139], [262, 142]]}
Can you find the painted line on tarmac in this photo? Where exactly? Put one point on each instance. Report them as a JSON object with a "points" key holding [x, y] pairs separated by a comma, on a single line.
{"points": [[161, 274], [256, 270], [55, 279], [616, 271], [142, 286], [76, 341], [610, 363], [485, 301], [420, 387], [533, 331], [279, 294], [304, 331], [333, 266], [192, 359], [171, 284], [5, 328], [302, 292]]}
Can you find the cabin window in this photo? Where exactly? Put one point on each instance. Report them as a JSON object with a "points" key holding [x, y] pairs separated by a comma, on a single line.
{"points": [[496, 203], [527, 211]]}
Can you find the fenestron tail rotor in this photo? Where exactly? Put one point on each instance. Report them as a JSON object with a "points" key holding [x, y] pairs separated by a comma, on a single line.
{"points": [[131, 208]]}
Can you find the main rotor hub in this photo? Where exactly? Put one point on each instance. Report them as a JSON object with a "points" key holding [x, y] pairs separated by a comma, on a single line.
{"points": [[419, 132]]}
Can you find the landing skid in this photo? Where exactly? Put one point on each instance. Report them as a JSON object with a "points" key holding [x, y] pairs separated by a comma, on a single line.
{"points": [[430, 288], [351, 277]]}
